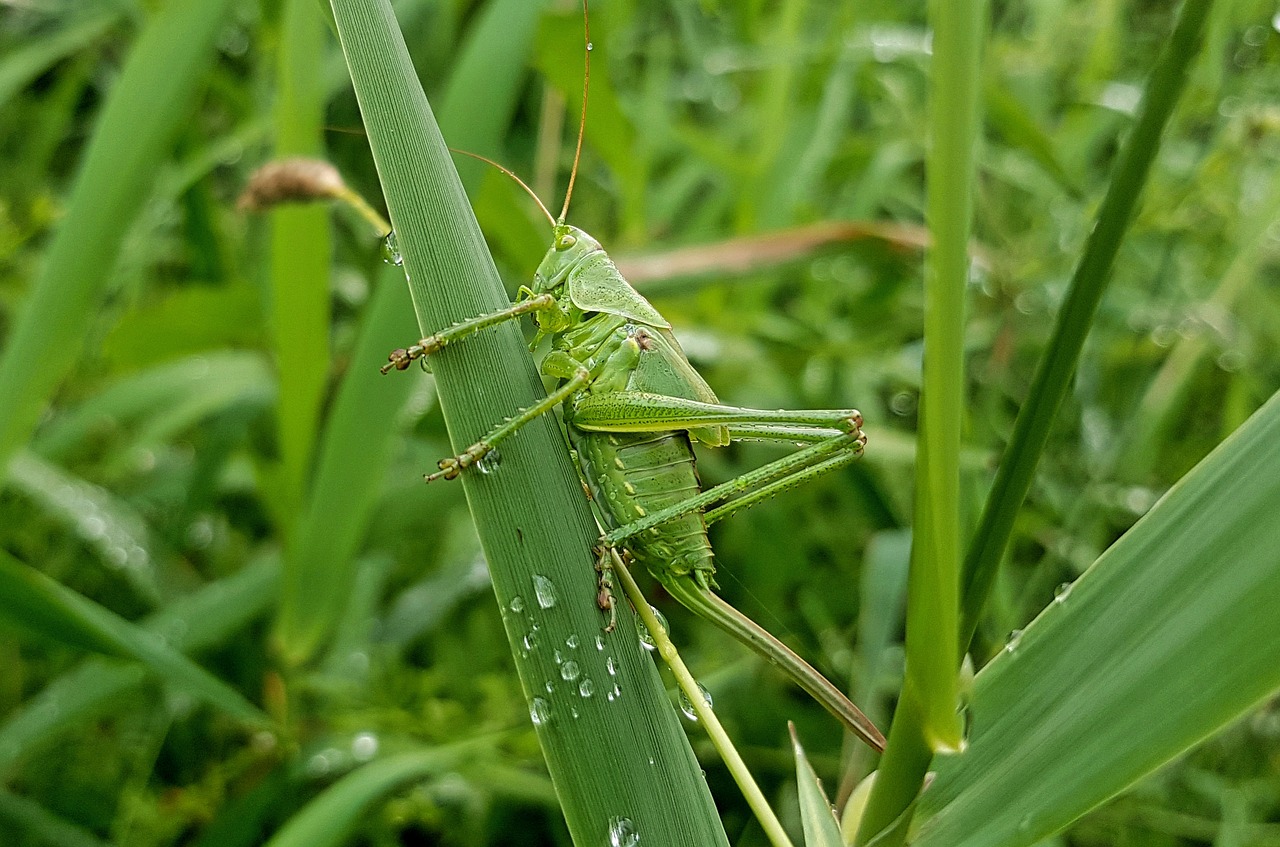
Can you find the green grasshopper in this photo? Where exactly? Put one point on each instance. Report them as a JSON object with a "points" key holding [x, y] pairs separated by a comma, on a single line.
{"points": [[632, 407]]}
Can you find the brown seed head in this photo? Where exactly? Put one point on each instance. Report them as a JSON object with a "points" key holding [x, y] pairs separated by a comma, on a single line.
{"points": [[290, 181]]}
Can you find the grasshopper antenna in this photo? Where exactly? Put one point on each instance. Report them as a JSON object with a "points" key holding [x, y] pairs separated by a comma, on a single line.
{"points": [[582, 122], [509, 173]]}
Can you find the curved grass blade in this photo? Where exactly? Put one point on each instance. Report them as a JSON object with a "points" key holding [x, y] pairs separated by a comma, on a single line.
{"points": [[32, 823], [1169, 636], [162, 401], [43, 606], [330, 817], [191, 624], [1056, 368]]}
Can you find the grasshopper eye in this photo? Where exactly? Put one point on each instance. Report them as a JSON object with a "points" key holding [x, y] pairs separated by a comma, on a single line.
{"points": [[565, 242]]}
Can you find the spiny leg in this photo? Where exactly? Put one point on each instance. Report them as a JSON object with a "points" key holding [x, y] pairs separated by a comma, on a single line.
{"points": [[401, 358], [769, 479], [453, 465], [789, 481], [833, 434], [639, 411]]}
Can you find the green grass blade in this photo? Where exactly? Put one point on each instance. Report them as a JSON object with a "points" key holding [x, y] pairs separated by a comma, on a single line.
{"points": [[31, 823], [927, 718], [300, 254], [331, 816], [1053, 376], [191, 624], [38, 604], [142, 112], [617, 760], [820, 826], [105, 523], [1169, 636], [355, 449], [24, 65], [357, 444], [933, 588], [157, 404]]}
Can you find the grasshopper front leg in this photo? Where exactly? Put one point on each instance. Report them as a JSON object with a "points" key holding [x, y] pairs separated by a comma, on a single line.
{"points": [[401, 358]]}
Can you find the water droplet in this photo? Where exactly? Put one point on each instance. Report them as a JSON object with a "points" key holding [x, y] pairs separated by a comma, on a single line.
{"points": [[391, 250], [489, 462], [531, 638], [558, 657], [622, 833], [364, 746], [1012, 643], [549, 686], [599, 642], [590, 47], [611, 666], [571, 642], [539, 711], [1062, 592], [517, 604], [586, 687], [616, 692], [686, 705], [646, 637], [573, 710], [544, 590], [569, 671]]}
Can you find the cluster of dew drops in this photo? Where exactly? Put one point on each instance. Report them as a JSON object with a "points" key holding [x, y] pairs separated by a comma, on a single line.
{"points": [[570, 671]]}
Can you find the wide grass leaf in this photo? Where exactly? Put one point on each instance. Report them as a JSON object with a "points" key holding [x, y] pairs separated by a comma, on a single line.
{"points": [[34, 602], [1170, 635], [192, 623]]}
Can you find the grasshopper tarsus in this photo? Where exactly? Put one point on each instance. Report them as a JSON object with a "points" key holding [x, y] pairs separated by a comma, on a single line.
{"points": [[400, 358], [605, 598]]}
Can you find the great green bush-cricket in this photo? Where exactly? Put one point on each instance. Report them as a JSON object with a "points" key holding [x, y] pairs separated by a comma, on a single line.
{"points": [[632, 407]]}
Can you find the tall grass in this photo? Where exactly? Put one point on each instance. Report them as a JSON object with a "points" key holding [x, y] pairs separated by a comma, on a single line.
{"points": [[235, 615]]}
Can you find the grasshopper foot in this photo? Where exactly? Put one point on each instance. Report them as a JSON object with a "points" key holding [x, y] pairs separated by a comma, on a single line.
{"points": [[604, 595], [452, 466], [400, 358]]}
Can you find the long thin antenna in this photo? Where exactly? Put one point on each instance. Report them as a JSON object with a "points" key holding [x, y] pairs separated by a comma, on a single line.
{"points": [[582, 122], [509, 173]]}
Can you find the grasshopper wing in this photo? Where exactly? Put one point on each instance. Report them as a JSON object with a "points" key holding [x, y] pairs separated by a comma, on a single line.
{"points": [[664, 369], [597, 286]]}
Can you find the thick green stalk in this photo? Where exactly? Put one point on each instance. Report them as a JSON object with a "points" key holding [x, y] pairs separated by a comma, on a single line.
{"points": [[299, 257], [1053, 376], [927, 719], [618, 758]]}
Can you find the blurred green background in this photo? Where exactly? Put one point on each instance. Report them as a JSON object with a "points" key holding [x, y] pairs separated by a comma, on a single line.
{"points": [[203, 400]]}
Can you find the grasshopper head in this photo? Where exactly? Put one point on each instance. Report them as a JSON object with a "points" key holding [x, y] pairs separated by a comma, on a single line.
{"points": [[568, 246]]}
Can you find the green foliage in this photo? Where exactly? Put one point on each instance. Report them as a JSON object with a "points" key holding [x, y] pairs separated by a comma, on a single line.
{"points": [[187, 445]]}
